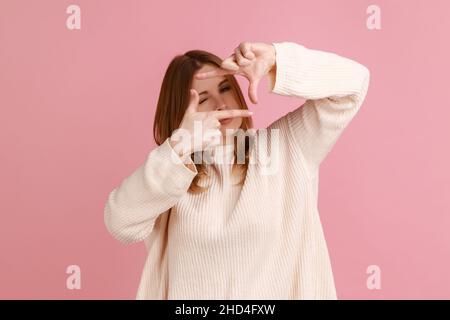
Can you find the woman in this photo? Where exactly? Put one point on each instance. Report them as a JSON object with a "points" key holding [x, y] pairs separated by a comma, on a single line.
{"points": [[227, 230]]}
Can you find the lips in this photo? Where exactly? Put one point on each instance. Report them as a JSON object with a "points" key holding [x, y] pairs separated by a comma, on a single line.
{"points": [[225, 121]]}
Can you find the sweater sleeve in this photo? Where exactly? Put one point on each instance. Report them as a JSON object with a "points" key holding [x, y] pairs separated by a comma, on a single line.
{"points": [[154, 188], [334, 88]]}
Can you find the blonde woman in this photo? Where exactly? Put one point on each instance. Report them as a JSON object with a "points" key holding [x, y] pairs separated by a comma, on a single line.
{"points": [[224, 229]]}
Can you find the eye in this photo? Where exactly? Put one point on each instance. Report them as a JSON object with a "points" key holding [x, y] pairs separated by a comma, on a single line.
{"points": [[224, 89]]}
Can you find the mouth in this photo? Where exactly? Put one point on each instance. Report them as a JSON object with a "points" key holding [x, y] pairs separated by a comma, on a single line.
{"points": [[225, 121]]}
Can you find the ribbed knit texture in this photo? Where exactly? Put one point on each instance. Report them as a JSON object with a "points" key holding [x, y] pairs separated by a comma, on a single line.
{"points": [[263, 240]]}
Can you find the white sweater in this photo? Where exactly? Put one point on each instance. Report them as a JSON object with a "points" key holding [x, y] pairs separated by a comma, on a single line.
{"points": [[260, 241]]}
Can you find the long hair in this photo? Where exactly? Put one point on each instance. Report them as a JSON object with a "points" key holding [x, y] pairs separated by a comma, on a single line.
{"points": [[174, 99]]}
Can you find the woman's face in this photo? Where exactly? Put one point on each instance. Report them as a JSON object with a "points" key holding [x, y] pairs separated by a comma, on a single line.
{"points": [[215, 94]]}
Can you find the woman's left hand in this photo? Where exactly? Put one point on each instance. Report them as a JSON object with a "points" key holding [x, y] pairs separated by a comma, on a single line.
{"points": [[252, 60]]}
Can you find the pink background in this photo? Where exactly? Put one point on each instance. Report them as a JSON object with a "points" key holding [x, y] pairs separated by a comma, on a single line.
{"points": [[77, 113]]}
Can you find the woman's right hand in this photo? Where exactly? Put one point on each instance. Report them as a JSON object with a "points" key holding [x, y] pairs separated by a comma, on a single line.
{"points": [[185, 140]]}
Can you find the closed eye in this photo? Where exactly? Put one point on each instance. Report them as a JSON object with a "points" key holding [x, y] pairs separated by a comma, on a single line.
{"points": [[224, 89]]}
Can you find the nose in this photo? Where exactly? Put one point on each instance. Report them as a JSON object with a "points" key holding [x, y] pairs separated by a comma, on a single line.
{"points": [[221, 107], [220, 104]]}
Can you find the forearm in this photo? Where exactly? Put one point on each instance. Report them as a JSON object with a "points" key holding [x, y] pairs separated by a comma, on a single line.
{"points": [[132, 208], [315, 74], [334, 88]]}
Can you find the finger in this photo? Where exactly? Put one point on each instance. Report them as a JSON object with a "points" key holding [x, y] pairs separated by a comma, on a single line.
{"points": [[240, 59], [212, 133], [193, 100], [247, 50], [213, 137], [230, 63], [214, 73], [212, 122], [232, 113], [253, 91]]}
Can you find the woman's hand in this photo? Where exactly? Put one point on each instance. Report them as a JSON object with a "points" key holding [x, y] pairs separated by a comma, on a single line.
{"points": [[185, 140], [252, 60]]}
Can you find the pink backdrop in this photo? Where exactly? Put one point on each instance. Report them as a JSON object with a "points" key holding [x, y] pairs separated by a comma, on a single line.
{"points": [[77, 113]]}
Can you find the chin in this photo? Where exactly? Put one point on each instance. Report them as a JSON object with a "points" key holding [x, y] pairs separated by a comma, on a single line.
{"points": [[233, 125]]}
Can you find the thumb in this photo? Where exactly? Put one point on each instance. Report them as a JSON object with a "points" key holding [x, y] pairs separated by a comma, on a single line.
{"points": [[253, 90], [193, 100]]}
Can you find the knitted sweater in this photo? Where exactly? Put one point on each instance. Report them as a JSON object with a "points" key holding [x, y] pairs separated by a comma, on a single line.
{"points": [[262, 240]]}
